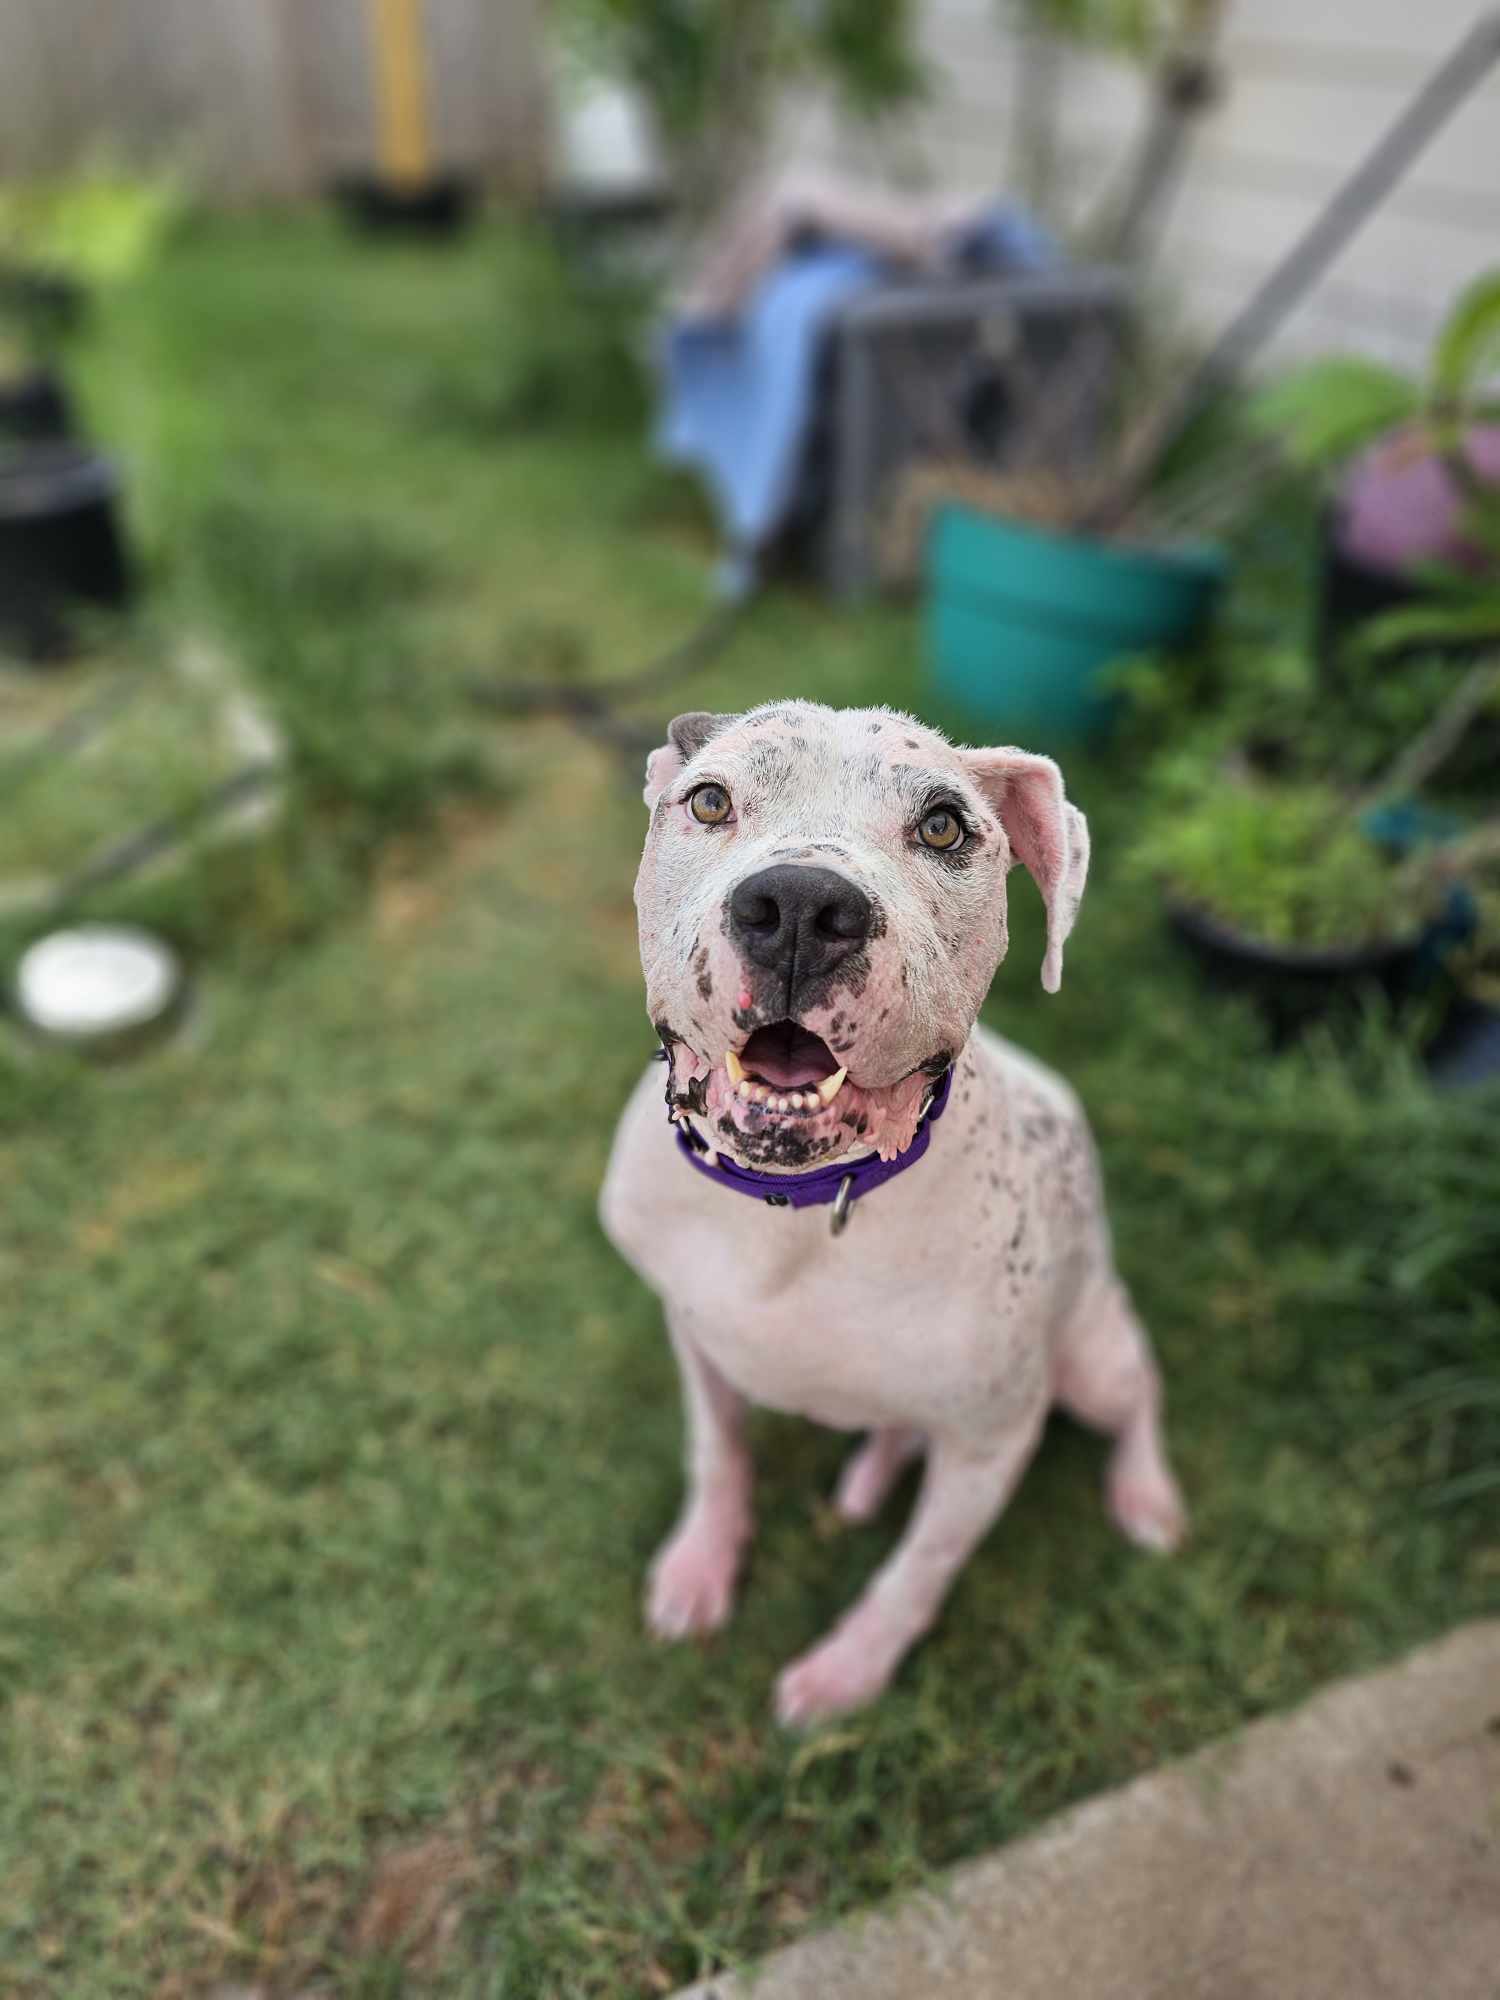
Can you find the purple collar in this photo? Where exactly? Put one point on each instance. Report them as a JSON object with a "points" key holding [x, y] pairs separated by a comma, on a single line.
{"points": [[841, 1185]]}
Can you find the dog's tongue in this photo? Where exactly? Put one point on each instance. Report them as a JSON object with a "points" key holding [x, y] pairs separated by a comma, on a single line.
{"points": [[788, 1056]]}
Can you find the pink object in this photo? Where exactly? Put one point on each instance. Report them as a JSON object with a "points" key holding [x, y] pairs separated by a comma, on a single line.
{"points": [[1399, 506]]}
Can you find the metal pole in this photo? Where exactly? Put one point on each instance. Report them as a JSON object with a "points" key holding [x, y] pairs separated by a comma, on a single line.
{"points": [[1271, 301]]}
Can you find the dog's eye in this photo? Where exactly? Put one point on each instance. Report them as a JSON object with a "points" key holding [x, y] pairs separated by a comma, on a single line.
{"points": [[709, 804], [941, 829]]}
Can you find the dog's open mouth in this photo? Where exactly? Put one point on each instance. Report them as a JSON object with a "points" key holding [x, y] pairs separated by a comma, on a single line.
{"points": [[786, 1068]]}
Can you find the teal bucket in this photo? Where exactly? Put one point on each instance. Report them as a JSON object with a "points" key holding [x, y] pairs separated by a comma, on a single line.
{"points": [[1019, 622]]}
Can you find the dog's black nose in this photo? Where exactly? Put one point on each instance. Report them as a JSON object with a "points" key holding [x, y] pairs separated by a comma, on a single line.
{"points": [[800, 922]]}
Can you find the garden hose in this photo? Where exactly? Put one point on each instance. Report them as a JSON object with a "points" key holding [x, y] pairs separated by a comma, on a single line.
{"points": [[593, 707]]}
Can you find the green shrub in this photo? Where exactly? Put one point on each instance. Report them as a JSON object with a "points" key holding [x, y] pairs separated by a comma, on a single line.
{"points": [[1287, 864]]}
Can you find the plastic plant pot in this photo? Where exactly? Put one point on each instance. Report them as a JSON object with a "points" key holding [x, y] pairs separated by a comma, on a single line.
{"points": [[60, 544], [1021, 623], [1294, 985], [434, 208], [34, 409]]}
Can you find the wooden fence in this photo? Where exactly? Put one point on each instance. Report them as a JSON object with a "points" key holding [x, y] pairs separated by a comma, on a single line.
{"points": [[259, 97]]}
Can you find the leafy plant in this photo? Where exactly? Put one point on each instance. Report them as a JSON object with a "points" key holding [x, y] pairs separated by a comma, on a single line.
{"points": [[1288, 864], [60, 239], [709, 70], [1328, 412]]}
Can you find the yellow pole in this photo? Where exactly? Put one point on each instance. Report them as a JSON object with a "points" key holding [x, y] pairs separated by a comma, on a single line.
{"points": [[401, 92]]}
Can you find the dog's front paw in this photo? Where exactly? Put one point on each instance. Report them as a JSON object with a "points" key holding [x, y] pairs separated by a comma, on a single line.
{"points": [[691, 1587], [834, 1678]]}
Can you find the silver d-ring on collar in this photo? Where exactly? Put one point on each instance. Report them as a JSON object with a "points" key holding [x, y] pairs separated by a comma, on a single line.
{"points": [[843, 1201]]}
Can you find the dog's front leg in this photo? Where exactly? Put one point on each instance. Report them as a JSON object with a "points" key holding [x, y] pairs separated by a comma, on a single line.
{"points": [[963, 1491], [691, 1587]]}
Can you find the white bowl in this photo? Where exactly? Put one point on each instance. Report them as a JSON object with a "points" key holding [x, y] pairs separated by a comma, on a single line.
{"points": [[98, 986]]}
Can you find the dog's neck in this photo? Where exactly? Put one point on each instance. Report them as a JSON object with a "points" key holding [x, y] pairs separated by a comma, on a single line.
{"points": [[835, 1185]]}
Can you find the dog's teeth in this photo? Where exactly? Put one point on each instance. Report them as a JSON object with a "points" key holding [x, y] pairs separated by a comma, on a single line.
{"points": [[762, 1095], [782, 1104], [747, 1089], [734, 1066], [830, 1087]]}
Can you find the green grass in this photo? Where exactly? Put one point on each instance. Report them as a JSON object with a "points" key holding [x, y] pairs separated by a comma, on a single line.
{"points": [[335, 1441], [155, 754]]}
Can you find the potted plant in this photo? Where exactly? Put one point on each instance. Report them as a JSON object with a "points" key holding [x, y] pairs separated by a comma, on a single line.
{"points": [[36, 310], [1412, 533], [1295, 882], [1282, 893], [1022, 617], [60, 540]]}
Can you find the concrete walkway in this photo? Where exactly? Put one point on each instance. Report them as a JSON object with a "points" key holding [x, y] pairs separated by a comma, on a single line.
{"points": [[1350, 1851]]}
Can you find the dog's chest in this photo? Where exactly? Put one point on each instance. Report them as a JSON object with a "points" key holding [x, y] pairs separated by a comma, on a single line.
{"points": [[877, 1326]]}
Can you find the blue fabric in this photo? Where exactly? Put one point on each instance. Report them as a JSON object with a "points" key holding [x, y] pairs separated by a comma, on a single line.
{"points": [[738, 395]]}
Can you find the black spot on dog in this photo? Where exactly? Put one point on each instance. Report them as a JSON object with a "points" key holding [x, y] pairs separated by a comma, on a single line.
{"points": [[694, 1098], [911, 742], [779, 1145]]}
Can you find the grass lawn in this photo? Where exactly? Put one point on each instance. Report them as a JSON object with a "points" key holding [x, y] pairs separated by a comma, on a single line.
{"points": [[333, 1439]]}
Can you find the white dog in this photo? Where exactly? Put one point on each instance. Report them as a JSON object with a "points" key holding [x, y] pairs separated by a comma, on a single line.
{"points": [[822, 908]]}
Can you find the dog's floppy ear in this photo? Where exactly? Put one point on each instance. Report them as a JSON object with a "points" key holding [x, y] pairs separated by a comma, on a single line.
{"points": [[1045, 833], [686, 736]]}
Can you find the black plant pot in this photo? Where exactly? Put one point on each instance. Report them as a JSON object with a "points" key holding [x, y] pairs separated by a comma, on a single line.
{"points": [[1351, 593], [60, 544], [1466, 1049], [439, 207], [1294, 985], [34, 409]]}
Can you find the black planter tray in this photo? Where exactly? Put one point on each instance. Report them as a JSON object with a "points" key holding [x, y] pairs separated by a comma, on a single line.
{"points": [[1295, 984], [60, 543], [438, 207]]}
